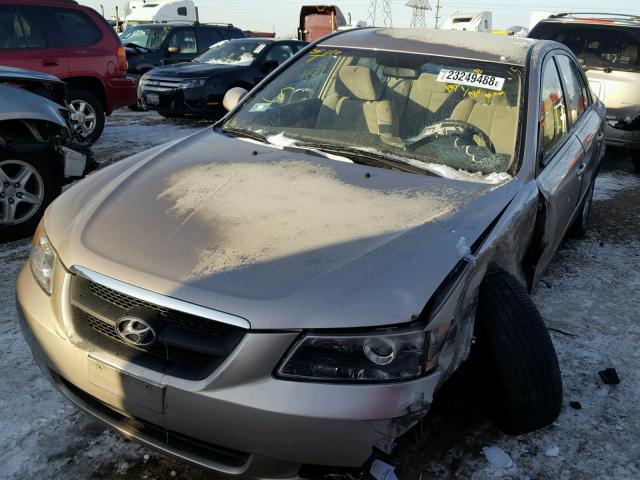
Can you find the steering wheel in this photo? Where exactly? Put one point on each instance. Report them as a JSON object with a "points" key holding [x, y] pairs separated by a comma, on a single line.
{"points": [[452, 128], [300, 94]]}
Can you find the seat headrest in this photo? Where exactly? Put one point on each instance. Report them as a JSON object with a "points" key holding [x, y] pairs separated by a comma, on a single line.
{"points": [[429, 82], [399, 72], [360, 83], [631, 53]]}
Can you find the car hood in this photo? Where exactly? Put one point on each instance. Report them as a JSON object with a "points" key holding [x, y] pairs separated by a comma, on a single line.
{"points": [[20, 74], [192, 69], [284, 240], [19, 104]]}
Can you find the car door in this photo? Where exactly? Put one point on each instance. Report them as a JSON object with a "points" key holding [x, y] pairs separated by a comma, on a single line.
{"points": [[24, 45], [180, 46], [561, 159], [584, 117]]}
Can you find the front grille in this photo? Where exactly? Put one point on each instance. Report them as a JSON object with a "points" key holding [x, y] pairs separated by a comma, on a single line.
{"points": [[170, 353], [189, 322], [160, 84], [187, 346], [154, 434]]}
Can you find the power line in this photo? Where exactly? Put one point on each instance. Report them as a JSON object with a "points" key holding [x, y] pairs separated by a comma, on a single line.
{"points": [[418, 12]]}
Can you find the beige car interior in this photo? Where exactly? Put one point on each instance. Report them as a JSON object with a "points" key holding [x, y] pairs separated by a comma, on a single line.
{"points": [[395, 102]]}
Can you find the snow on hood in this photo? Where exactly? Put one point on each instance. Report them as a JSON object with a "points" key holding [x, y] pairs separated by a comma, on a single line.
{"points": [[284, 209]]}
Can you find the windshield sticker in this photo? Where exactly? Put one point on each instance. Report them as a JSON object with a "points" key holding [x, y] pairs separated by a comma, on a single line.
{"points": [[471, 79], [319, 53], [259, 48], [260, 107]]}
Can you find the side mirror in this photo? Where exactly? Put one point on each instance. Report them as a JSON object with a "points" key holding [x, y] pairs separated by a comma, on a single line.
{"points": [[174, 49], [269, 66], [233, 97]]}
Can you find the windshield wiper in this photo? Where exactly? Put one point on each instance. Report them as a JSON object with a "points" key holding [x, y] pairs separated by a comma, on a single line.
{"points": [[366, 157], [243, 132], [139, 47]]}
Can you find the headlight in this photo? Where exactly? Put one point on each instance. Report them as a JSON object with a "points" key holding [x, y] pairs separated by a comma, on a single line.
{"points": [[42, 260], [192, 83], [377, 357]]}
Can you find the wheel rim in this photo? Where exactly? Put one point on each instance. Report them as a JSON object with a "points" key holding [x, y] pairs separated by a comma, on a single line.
{"points": [[83, 117], [21, 191]]}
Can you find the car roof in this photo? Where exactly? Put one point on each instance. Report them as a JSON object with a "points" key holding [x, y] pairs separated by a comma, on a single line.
{"points": [[591, 18], [263, 39], [447, 43], [186, 24]]}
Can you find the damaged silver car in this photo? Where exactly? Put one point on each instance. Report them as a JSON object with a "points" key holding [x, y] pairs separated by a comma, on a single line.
{"points": [[293, 285], [39, 149]]}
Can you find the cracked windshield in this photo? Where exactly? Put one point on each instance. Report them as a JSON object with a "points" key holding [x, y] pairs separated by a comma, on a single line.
{"points": [[238, 52], [450, 117]]}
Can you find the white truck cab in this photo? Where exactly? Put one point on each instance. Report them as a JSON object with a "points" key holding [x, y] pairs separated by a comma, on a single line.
{"points": [[470, 21], [160, 11]]}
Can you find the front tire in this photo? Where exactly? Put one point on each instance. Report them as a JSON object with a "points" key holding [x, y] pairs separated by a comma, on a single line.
{"points": [[29, 182], [87, 115], [515, 360]]}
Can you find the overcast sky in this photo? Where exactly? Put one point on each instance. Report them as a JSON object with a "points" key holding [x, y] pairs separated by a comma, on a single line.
{"points": [[282, 15]]}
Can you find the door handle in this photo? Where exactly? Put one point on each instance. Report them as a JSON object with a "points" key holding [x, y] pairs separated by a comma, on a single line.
{"points": [[50, 62], [581, 168], [600, 137]]}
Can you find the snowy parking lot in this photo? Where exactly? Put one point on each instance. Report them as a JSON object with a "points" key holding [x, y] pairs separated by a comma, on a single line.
{"points": [[588, 297]]}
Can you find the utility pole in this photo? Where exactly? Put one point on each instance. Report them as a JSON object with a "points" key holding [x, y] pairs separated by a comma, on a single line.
{"points": [[418, 12], [437, 12], [386, 13]]}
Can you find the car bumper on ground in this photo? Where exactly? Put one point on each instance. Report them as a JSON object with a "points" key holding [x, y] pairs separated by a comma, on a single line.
{"points": [[121, 92], [240, 420]]}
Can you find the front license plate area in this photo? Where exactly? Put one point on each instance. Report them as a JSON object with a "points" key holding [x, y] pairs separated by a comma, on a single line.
{"points": [[130, 390], [152, 99]]}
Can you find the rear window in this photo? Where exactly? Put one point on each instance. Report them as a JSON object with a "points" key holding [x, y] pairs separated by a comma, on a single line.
{"points": [[64, 28], [598, 46]]}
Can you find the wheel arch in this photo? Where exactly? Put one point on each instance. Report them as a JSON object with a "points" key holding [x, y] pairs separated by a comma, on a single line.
{"points": [[92, 85]]}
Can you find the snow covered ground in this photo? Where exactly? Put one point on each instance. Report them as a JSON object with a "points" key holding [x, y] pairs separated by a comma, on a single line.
{"points": [[589, 298]]}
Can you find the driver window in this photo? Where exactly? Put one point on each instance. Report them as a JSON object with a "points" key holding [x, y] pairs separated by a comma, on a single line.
{"points": [[185, 40], [279, 53], [553, 114], [576, 101]]}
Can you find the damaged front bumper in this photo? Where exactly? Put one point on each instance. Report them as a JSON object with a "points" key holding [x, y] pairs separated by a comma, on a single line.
{"points": [[240, 420]]}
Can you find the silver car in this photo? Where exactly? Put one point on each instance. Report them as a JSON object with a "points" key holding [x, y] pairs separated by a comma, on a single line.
{"points": [[294, 284], [608, 47]]}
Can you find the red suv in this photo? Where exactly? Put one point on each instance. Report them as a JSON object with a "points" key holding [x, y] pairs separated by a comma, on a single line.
{"points": [[76, 44]]}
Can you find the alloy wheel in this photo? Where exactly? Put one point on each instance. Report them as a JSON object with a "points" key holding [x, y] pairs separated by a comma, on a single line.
{"points": [[21, 191], [83, 117]]}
